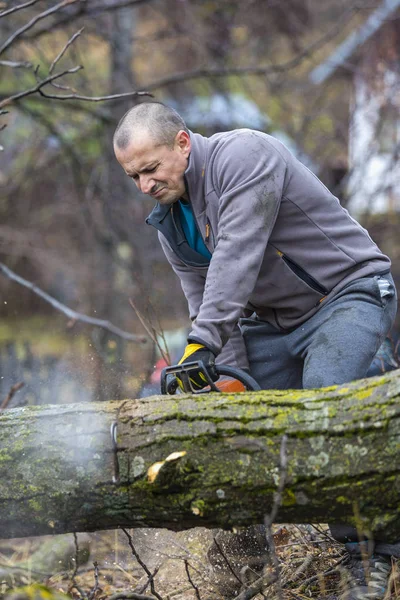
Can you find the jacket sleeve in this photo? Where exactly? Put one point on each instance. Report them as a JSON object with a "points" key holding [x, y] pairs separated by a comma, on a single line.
{"points": [[249, 178], [192, 282]]}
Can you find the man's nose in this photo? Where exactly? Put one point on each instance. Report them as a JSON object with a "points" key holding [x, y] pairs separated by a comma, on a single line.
{"points": [[146, 184]]}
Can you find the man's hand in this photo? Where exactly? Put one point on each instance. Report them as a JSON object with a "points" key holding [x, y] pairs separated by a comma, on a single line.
{"points": [[195, 352]]}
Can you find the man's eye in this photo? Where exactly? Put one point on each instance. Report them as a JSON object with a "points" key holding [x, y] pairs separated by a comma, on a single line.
{"points": [[152, 169]]}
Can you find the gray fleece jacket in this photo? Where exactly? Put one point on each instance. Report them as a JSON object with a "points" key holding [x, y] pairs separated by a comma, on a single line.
{"points": [[281, 243]]}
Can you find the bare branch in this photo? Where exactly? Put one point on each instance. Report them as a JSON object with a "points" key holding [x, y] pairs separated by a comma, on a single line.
{"points": [[33, 22], [129, 596], [115, 5], [257, 70], [66, 88], [227, 562], [13, 390], [142, 589], [89, 11], [153, 333], [75, 570], [256, 587], [16, 65], [93, 591], [4, 13], [142, 564], [93, 98], [329, 571], [67, 45], [194, 586], [39, 86], [71, 313]]}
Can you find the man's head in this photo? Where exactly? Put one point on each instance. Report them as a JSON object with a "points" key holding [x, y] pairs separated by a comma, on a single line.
{"points": [[152, 144]]}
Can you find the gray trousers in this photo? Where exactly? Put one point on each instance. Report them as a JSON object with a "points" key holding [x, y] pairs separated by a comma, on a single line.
{"points": [[335, 346]]}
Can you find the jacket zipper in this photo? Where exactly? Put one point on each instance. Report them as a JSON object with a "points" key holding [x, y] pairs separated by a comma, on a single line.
{"points": [[207, 231], [303, 275]]}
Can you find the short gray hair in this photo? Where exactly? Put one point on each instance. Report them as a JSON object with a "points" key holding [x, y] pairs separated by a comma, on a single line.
{"points": [[161, 121]]}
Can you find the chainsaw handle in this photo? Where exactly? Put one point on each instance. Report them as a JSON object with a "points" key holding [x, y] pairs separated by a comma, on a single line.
{"points": [[170, 387]]}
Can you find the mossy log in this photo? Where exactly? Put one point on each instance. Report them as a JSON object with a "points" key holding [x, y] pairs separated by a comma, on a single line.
{"points": [[209, 460]]}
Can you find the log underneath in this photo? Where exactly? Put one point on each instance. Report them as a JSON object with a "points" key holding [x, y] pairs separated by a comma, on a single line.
{"points": [[210, 460]]}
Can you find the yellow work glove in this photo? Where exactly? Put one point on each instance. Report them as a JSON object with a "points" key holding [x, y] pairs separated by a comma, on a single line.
{"points": [[194, 352]]}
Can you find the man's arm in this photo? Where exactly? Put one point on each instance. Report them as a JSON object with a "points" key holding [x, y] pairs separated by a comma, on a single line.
{"points": [[249, 177], [192, 282]]}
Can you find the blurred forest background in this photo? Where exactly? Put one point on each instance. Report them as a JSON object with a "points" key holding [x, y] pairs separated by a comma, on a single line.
{"points": [[322, 75]]}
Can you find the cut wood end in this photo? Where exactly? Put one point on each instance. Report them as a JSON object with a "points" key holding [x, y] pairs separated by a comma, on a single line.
{"points": [[155, 468], [175, 456], [153, 471]]}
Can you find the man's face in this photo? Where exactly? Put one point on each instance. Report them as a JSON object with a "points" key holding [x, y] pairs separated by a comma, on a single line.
{"points": [[157, 170]]}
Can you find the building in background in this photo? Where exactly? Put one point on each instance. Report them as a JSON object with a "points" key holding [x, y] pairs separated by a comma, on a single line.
{"points": [[371, 56]]}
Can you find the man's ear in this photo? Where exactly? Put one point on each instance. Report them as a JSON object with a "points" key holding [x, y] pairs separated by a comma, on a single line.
{"points": [[183, 143]]}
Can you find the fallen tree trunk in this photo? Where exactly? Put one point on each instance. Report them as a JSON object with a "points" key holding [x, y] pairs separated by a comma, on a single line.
{"points": [[209, 460]]}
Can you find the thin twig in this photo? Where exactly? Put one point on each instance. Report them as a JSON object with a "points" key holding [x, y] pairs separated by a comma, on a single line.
{"points": [[129, 596], [33, 22], [328, 538], [93, 98], [302, 568], [75, 571], [4, 13], [256, 588], [256, 69], [69, 312], [87, 11], [153, 333], [13, 390], [161, 333], [76, 558], [80, 591], [194, 586], [92, 593], [142, 564], [67, 45], [66, 88], [39, 85], [324, 573], [16, 65], [144, 586], [269, 519], [222, 553]]}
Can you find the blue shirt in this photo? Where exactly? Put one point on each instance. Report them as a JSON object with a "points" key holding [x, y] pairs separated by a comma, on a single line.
{"points": [[190, 230]]}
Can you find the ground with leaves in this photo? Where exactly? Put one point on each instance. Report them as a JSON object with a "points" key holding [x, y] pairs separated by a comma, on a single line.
{"points": [[166, 565]]}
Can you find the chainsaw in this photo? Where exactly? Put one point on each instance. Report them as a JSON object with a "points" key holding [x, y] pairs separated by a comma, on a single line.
{"points": [[169, 381]]}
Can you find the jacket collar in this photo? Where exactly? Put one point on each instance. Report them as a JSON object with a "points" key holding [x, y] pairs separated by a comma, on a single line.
{"points": [[194, 174], [158, 214]]}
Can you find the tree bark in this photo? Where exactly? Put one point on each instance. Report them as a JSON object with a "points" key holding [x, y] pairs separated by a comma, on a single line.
{"points": [[211, 460]]}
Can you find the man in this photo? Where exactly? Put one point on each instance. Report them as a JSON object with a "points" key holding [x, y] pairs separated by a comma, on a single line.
{"points": [[279, 279]]}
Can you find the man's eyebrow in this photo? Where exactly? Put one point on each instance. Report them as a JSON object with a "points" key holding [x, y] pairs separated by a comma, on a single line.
{"points": [[148, 167]]}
